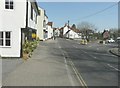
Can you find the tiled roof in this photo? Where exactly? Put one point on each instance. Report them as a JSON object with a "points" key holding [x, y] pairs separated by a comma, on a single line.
{"points": [[75, 30], [50, 23]]}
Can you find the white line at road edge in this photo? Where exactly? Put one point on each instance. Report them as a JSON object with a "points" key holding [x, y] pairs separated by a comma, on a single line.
{"points": [[113, 67]]}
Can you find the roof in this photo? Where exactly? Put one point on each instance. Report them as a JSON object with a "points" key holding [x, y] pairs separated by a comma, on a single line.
{"points": [[61, 28], [50, 23], [75, 30]]}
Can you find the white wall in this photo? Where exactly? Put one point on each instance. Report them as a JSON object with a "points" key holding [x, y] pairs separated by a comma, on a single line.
{"points": [[57, 32], [13, 20], [73, 34], [50, 31], [46, 28], [31, 23], [40, 24], [65, 30]]}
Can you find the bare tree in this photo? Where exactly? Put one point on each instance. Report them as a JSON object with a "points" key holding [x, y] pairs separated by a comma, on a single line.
{"points": [[114, 33], [86, 28]]}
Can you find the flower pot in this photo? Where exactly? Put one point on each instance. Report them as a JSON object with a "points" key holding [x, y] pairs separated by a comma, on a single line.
{"points": [[25, 56]]}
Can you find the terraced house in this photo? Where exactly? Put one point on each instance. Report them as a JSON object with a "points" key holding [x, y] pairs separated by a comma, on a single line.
{"points": [[18, 21]]}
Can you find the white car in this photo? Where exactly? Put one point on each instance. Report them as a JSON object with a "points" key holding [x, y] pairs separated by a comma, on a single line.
{"points": [[111, 40]]}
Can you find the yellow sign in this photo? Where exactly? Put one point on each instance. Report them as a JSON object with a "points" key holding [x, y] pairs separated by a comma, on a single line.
{"points": [[33, 35]]}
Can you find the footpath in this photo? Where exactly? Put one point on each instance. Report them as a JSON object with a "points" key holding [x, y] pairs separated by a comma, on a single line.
{"points": [[46, 67]]}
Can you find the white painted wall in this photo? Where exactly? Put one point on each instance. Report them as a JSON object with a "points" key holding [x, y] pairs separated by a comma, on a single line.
{"points": [[14, 20], [57, 32], [40, 18], [46, 28], [31, 23], [50, 31], [73, 35], [65, 29]]}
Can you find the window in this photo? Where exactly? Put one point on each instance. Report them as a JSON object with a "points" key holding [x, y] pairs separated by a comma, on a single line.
{"points": [[1, 38], [8, 4], [44, 23], [31, 12], [5, 38], [36, 19]]}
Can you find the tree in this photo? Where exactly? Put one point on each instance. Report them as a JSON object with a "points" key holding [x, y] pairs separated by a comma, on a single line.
{"points": [[74, 26], [87, 29], [114, 33]]}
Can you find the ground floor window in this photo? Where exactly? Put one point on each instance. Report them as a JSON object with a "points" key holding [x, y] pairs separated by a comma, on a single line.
{"points": [[5, 38]]}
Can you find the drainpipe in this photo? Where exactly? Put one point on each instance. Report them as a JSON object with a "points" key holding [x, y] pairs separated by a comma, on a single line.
{"points": [[26, 34]]}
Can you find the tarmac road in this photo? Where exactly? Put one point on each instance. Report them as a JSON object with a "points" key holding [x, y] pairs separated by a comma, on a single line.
{"points": [[93, 62]]}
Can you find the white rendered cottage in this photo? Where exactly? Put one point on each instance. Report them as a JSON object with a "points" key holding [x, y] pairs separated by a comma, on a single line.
{"points": [[18, 21], [41, 26], [69, 32], [50, 29]]}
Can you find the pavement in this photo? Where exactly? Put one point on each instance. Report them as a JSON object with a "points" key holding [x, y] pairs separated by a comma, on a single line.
{"points": [[46, 67]]}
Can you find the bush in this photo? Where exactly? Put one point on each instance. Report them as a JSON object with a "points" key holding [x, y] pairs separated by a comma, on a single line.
{"points": [[28, 47]]}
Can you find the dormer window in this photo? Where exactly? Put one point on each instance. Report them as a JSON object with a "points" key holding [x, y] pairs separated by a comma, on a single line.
{"points": [[8, 4]]}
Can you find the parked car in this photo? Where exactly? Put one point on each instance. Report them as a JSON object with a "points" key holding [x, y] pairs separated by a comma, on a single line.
{"points": [[111, 40]]}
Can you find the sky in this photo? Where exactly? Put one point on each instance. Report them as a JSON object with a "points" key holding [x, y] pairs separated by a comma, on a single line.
{"points": [[76, 12]]}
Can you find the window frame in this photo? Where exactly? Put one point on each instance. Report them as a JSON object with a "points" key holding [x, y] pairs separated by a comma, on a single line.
{"points": [[5, 38], [31, 12], [9, 4]]}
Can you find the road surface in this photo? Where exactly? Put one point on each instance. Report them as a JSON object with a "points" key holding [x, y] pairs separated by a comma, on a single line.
{"points": [[94, 63]]}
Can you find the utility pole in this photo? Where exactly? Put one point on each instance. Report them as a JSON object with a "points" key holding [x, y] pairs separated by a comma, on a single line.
{"points": [[68, 23]]}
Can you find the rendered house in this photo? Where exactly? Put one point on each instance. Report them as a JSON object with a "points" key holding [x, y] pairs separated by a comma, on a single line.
{"points": [[41, 26], [50, 29], [56, 32], [69, 32], [18, 22]]}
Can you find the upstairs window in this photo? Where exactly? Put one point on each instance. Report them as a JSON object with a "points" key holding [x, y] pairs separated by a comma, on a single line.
{"points": [[9, 4], [36, 19], [31, 12], [44, 23]]}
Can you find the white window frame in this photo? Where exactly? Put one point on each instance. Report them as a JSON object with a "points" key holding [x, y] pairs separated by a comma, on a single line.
{"points": [[9, 5], [4, 38]]}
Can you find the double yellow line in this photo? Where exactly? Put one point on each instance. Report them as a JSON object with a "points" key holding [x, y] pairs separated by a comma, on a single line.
{"points": [[82, 82]]}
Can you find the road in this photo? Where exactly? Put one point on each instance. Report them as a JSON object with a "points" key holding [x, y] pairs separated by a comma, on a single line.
{"points": [[63, 62], [94, 63]]}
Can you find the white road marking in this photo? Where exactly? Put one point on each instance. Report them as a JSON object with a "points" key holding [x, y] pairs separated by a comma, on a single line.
{"points": [[90, 55], [75, 46], [113, 67], [105, 54]]}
